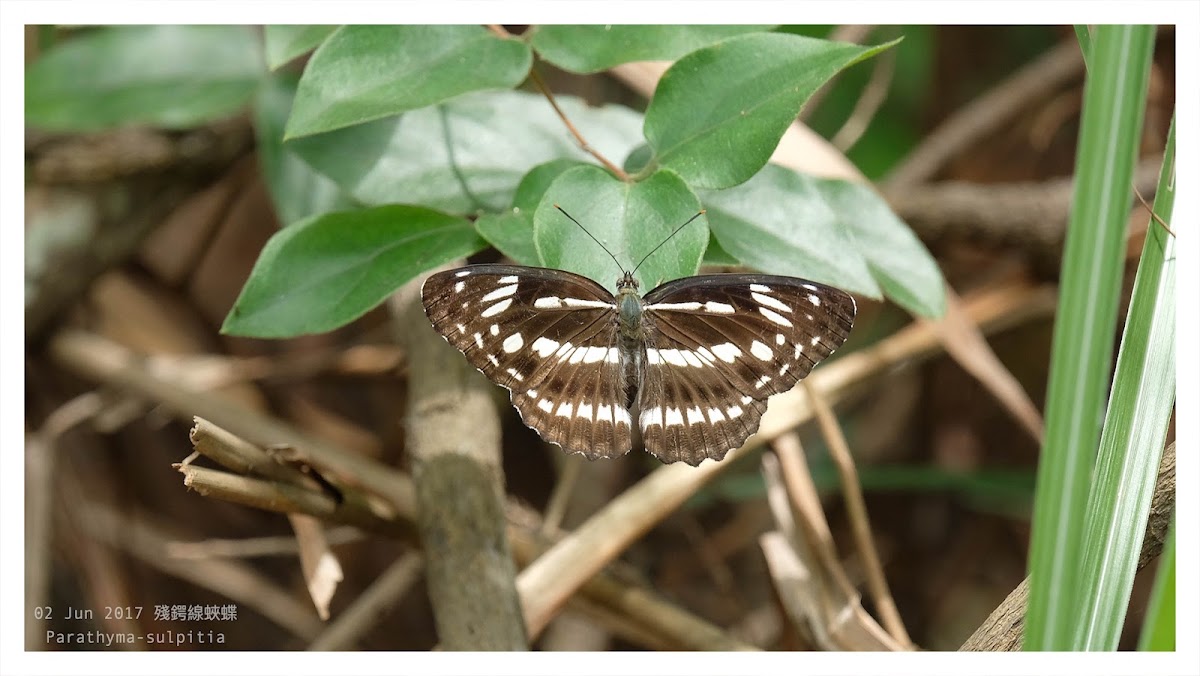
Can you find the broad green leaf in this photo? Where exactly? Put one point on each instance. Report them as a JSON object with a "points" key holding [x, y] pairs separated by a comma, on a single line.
{"points": [[466, 155], [629, 219], [166, 76], [286, 42], [715, 255], [296, 189], [364, 73], [779, 222], [719, 112], [512, 231], [898, 261], [587, 49], [1140, 405], [1114, 100], [324, 272]]}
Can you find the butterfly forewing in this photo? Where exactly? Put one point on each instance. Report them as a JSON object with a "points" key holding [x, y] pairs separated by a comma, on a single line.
{"points": [[549, 337], [718, 346]]}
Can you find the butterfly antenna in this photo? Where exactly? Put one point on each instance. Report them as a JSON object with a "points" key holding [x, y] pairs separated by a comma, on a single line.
{"points": [[585, 230], [668, 239]]}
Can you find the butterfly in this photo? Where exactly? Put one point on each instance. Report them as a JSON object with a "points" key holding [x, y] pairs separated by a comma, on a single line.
{"points": [[694, 360]]}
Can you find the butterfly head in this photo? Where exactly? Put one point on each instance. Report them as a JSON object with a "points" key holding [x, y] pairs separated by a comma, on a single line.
{"points": [[627, 282]]}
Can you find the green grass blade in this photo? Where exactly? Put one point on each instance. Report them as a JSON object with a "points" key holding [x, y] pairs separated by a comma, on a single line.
{"points": [[1084, 35], [1158, 633], [1143, 395], [1114, 98]]}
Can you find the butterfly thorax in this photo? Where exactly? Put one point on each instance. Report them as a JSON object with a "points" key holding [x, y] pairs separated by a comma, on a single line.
{"points": [[629, 308], [630, 337]]}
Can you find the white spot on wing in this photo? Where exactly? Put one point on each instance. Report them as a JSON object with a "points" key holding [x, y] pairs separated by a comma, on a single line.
{"points": [[462, 273], [761, 351], [513, 343], [497, 308], [652, 356], [734, 411], [689, 306], [532, 394], [812, 298], [516, 375], [784, 369], [621, 416], [604, 412], [810, 287], [760, 288], [511, 279], [579, 302], [674, 417], [492, 358], [770, 302], [479, 341], [584, 411], [761, 382], [718, 308], [545, 405], [494, 330], [746, 400], [564, 410], [780, 339], [815, 340], [578, 354], [650, 417], [613, 355], [728, 352], [458, 286], [691, 358], [715, 415], [694, 415], [547, 303], [544, 346], [461, 328], [594, 354], [775, 317], [502, 292]]}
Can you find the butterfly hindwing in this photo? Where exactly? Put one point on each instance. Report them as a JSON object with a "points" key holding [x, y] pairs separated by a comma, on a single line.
{"points": [[547, 336], [718, 346]]}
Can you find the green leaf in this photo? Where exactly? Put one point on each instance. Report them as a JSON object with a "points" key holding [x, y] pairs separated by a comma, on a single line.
{"points": [[296, 189], [167, 76], [364, 73], [1081, 352], [286, 42], [629, 219], [1135, 429], [898, 261], [1158, 632], [466, 155], [779, 223], [716, 255], [324, 272], [719, 112], [512, 231], [587, 49]]}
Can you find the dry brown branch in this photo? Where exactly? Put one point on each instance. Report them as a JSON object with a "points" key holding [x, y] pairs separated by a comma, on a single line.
{"points": [[359, 618], [94, 357], [538, 82], [109, 191], [231, 579], [452, 433], [322, 571], [985, 114], [547, 583], [560, 498], [965, 343], [1029, 216], [856, 508], [1004, 629], [254, 547]]}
